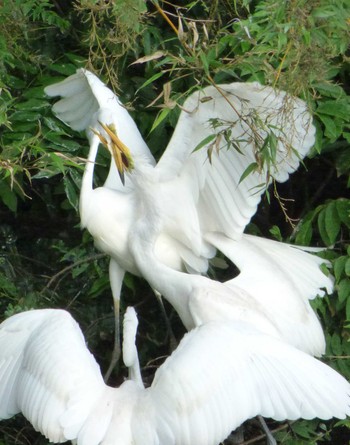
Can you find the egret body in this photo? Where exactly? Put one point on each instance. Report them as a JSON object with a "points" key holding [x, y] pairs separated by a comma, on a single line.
{"points": [[204, 203], [221, 374]]}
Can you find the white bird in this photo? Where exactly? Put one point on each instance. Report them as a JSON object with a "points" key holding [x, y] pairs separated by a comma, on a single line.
{"points": [[263, 282], [204, 202], [221, 374]]}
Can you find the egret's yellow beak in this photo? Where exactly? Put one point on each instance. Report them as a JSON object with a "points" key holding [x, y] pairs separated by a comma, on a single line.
{"points": [[119, 151]]}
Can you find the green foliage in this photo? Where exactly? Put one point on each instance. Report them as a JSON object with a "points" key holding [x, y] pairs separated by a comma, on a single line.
{"points": [[46, 261]]}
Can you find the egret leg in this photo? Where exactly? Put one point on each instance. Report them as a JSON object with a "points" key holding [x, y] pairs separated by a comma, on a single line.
{"points": [[116, 275], [116, 349], [172, 340], [270, 440]]}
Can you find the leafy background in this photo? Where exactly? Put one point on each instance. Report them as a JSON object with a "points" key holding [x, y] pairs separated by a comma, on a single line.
{"points": [[153, 62]]}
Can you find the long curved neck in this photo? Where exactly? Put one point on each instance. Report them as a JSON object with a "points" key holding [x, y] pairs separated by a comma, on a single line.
{"points": [[175, 286], [88, 177]]}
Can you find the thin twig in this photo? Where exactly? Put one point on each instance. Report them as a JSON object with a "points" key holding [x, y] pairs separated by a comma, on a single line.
{"points": [[165, 17], [71, 266], [262, 436]]}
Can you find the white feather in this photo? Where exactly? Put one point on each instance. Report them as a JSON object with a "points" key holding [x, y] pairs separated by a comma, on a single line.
{"points": [[283, 278], [221, 374], [198, 196], [195, 196]]}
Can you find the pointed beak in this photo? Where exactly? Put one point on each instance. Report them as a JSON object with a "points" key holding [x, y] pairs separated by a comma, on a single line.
{"points": [[119, 151]]}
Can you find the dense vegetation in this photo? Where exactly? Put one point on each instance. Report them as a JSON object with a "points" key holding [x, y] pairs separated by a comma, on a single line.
{"points": [[153, 61]]}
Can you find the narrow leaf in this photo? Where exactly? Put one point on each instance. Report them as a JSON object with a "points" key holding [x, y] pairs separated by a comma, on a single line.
{"points": [[150, 80], [250, 169], [154, 56], [204, 142], [161, 116]]}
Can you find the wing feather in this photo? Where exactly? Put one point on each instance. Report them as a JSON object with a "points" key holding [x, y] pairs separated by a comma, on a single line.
{"points": [[225, 373], [250, 112], [47, 372], [280, 276], [14, 333], [86, 101]]}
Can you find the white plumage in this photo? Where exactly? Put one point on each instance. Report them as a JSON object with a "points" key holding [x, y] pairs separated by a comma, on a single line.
{"points": [[221, 374], [203, 204]]}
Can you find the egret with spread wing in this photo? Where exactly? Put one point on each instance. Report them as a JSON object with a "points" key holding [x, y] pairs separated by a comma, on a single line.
{"points": [[204, 199], [221, 374], [263, 282]]}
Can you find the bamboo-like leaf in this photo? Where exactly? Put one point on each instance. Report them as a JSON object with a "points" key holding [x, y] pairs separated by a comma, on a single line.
{"points": [[150, 80], [205, 142], [149, 58], [161, 116], [250, 169]]}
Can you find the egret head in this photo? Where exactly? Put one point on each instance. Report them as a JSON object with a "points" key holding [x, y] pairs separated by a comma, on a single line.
{"points": [[119, 151]]}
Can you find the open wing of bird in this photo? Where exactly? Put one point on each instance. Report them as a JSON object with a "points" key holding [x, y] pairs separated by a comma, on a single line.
{"points": [[241, 126], [85, 103], [283, 278], [47, 373], [224, 373], [221, 374]]}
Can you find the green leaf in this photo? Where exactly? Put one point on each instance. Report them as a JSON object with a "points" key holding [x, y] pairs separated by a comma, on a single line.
{"points": [[342, 161], [205, 62], [78, 270], [6, 285], [332, 132], [32, 105], [347, 310], [276, 233], [304, 430], [347, 267], [53, 125], [150, 80], [204, 142], [71, 192], [35, 93], [339, 108], [25, 116], [343, 209], [329, 89], [322, 227], [161, 116], [323, 13], [66, 69], [332, 222], [344, 289], [61, 143], [339, 267], [8, 196], [250, 169], [335, 345], [304, 233], [100, 285]]}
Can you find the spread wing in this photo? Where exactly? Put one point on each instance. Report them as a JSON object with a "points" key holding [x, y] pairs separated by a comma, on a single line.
{"points": [[47, 373], [86, 101], [282, 278], [259, 121], [222, 374]]}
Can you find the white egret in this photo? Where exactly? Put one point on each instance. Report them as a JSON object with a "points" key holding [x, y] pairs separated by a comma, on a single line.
{"points": [[263, 282], [203, 202], [221, 374], [87, 101]]}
